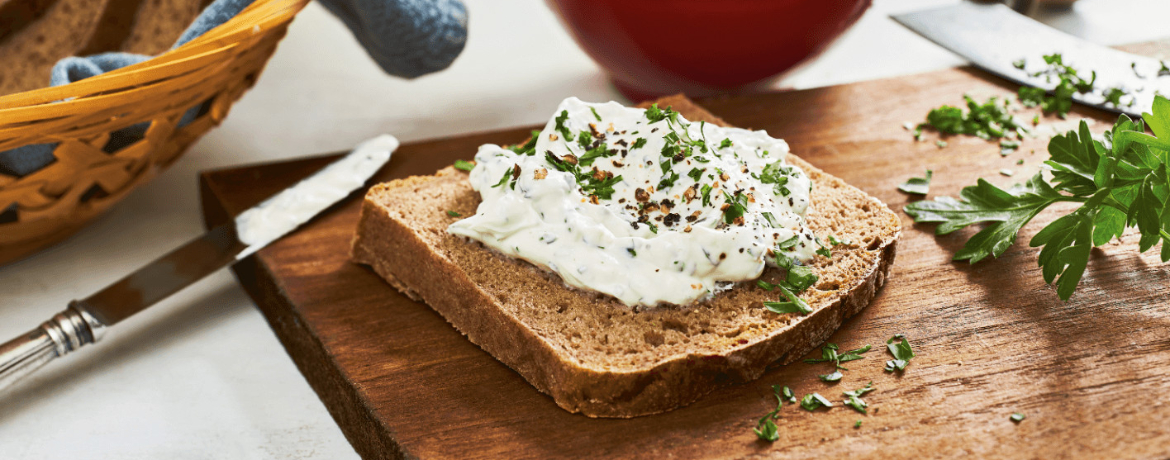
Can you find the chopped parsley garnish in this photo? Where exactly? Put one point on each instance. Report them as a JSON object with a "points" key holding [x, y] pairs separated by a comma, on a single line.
{"points": [[696, 174], [1006, 146], [705, 190], [454, 214], [788, 394], [668, 180], [527, 148], [655, 115], [940, 144], [1113, 96], [790, 242], [601, 188], [834, 377], [1018, 417], [857, 425], [766, 428], [988, 120], [638, 143], [595, 115], [584, 139], [777, 174], [504, 179], [901, 351], [768, 217], [736, 206], [799, 277], [814, 401], [830, 354], [853, 398], [590, 185], [824, 252], [560, 125], [633, 253], [917, 185], [725, 144], [793, 305], [601, 151], [1069, 83], [464, 165], [836, 242], [1120, 182], [1019, 64]]}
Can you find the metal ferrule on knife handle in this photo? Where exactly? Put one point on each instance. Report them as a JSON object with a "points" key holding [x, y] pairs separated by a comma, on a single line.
{"points": [[65, 332]]}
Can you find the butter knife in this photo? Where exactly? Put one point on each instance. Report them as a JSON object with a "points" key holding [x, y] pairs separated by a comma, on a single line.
{"points": [[85, 321]]}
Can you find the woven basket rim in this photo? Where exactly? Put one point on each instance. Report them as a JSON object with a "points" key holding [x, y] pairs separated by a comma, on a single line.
{"points": [[257, 17]]}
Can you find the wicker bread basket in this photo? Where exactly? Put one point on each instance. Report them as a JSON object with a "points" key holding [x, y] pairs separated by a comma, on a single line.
{"points": [[209, 72]]}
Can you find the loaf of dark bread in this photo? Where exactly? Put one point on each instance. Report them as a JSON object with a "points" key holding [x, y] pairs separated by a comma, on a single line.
{"points": [[591, 353]]}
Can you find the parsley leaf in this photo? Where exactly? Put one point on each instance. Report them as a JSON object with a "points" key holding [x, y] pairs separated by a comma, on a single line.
{"points": [[793, 305], [725, 144], [834, 377], [814, 401], [830, 353], [504, 179], [901, 351], [560, 125], [1018, 417], [638, 143], [595, 115], [917, 185], [454, 214], [464, 165], [853, 398], [696, 174], [1007, 210], [737, 205], [766, 428], [527, 148]]}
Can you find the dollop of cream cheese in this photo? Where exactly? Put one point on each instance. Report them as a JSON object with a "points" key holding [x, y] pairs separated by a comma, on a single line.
{"points": [[642, 205]]}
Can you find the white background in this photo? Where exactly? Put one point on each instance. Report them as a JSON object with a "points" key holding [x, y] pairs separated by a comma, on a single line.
{"points": [[201, 375]]}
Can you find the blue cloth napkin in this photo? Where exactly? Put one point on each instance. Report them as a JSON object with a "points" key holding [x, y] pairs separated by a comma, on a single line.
{"points": [[407, 38]]}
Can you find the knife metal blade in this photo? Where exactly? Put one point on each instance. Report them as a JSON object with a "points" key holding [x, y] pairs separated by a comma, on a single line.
{"points": [[85, 320], [993, 37]]}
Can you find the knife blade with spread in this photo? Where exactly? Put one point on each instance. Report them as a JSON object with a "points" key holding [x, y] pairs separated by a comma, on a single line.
{"points": [[85, 321], [1010, 45]]}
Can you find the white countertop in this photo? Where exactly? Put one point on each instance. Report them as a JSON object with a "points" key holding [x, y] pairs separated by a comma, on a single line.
{"points": [[201, 375]]}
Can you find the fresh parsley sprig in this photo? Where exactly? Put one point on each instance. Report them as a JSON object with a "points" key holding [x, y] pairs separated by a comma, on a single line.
{"points": [[1120, 181]]}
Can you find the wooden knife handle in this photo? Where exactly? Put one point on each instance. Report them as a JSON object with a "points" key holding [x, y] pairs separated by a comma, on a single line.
{"points": [[66, 331]]}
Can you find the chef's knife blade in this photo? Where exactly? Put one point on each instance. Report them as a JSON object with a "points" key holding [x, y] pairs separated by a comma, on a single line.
{"points": [[993, 37], [85, 320]]}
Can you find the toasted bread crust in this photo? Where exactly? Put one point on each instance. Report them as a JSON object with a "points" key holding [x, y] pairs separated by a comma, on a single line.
{"points": [[529, 320]]}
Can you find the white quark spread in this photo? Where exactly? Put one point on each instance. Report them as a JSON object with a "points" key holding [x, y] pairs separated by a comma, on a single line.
{"points": [[642, 204]]}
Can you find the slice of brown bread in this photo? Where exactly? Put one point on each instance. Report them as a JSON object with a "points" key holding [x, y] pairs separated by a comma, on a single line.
{"points": [[591, 353]]}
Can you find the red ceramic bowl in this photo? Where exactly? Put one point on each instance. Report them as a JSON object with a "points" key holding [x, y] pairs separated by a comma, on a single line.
{"points": [[652, 48]]}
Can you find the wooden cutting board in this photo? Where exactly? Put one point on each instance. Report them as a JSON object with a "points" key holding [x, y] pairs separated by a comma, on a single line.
{"points": [[992, 339]]}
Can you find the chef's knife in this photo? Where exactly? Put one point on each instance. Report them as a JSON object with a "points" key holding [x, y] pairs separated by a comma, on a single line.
{"points": [[995, 38], [86, 320]]}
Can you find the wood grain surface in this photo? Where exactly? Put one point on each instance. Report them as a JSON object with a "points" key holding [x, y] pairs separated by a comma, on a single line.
{"points": [[992, 339]]}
